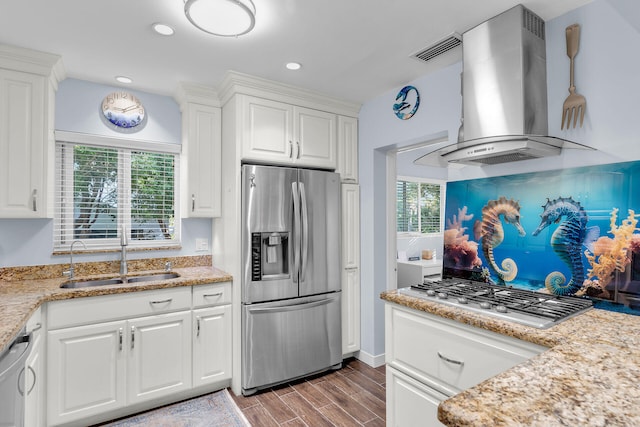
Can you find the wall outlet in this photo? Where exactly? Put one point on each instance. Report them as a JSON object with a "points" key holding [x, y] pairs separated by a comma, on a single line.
{"points": [[202, 245]]}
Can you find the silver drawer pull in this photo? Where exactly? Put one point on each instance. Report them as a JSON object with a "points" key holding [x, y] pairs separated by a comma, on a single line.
{"points": [[120, 339], [446, 359], [133, 337], [198, 326], [164, 301], [217, 294]]}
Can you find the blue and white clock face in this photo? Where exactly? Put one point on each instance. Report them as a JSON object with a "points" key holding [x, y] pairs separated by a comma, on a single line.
{"points": [[123, 110], [407, 102]]}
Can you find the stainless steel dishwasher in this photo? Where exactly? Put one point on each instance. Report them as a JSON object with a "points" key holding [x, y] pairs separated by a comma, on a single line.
{"points": [[12, 381]]}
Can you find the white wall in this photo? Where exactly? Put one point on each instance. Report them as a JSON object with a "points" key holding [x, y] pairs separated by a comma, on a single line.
{"points": [[30, 241], [606, 74]]}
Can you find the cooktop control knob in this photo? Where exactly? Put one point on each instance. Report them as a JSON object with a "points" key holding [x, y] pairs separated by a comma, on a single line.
{"points": [[442, 295], [485, 305], [463, 300], [501, 308], [431, 293]]}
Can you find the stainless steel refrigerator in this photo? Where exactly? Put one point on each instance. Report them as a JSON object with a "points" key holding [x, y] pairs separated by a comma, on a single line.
{"points": [[291, 290]]}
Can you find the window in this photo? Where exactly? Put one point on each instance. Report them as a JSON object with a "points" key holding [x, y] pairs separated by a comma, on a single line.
{"points": [[418, 206], [102, 190]]}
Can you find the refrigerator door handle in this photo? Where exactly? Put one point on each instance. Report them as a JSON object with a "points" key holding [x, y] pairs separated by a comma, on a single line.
{"points": [[305, 231], [296, 231], [287, 308]]}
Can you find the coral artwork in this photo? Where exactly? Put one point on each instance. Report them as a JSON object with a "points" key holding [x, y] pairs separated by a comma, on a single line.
{"points": [[610, 254], [459, 251]]}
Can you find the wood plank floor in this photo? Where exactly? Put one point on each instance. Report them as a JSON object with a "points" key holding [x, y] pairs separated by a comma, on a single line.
{"points": [[351, 396]]}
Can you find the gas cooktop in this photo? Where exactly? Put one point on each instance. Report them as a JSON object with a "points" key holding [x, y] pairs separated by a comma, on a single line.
{"points": [[508, 303]]}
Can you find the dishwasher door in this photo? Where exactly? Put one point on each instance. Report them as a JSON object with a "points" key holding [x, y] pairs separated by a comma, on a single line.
{"points": [[284, 340], [12, 381]]}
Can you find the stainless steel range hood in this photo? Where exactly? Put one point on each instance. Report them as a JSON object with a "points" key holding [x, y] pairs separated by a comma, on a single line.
{"points": [[504, 88]]}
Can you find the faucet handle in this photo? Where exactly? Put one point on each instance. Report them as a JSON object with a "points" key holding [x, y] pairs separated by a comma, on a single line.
{"points": [[68, 273], [168, 266]]}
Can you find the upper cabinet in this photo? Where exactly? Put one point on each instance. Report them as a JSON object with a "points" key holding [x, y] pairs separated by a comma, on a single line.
{"points": [[271, 123], [201, 151], [281, 133], [348, 149], [28, 82]]}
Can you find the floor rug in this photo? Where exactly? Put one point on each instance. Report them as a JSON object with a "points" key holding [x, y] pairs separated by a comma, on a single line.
{"points": [[215, 409]]}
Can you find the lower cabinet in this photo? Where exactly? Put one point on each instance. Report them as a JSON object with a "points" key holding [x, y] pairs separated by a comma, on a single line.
{"points": [[33, 374], [211, 345], [430, 358], [109, 356]]}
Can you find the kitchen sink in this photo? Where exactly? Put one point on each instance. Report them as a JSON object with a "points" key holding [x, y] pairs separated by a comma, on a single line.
{"points": [[120, 280]]}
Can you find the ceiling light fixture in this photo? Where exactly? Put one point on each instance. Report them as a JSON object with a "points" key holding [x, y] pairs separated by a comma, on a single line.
{"points": [[227, 18], [293, 66], [163, 29], [124, 79]]}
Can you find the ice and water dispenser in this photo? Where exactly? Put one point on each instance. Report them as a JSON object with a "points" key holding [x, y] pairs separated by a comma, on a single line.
{"points": [[269, 256]]}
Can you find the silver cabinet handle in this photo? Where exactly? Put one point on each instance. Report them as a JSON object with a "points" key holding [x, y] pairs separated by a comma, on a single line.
{"points": [[164, 301], [133, 337], [198, 326], [217, 294], [193, 202], [447, 359], [34, 198], [26, 392], [290, 149], [120, 331], [297, 149]]}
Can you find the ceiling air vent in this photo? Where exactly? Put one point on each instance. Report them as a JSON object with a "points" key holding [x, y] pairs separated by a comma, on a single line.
{"points": [[446, 44]]}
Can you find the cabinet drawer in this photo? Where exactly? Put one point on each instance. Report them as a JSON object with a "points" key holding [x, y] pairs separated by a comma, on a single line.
{"points": [[102, 308], [408, 400], [212, 294], [449, 355]]}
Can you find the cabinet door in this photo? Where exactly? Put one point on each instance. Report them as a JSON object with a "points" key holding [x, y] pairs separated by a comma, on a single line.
{"points": [[350, 310], [410, 402], [22, 145], [350, 268], [85, 371], [267, 131], [348, 148], [315, 143], [159, 356], [211, 345], [202, 147]]}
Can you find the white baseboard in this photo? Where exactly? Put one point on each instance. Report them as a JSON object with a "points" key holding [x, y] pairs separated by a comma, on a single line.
{"points": [[369, 359]]}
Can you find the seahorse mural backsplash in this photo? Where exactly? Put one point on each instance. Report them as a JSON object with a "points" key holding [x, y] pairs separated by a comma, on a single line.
{"points": [[565, 232]]}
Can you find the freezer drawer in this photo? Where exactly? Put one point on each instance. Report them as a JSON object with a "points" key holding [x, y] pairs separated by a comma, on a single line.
{"points": [[284, 340]]}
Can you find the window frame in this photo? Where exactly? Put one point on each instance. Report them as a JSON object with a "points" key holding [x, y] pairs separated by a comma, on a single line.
{"points": [[420, 180], [64, 215]]}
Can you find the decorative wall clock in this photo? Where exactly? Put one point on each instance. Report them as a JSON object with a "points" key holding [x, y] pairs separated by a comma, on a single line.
{"points": [[405, 106], [123, 110]]}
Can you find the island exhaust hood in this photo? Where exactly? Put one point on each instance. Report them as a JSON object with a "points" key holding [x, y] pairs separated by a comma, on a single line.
{"points": [[504, 93]]}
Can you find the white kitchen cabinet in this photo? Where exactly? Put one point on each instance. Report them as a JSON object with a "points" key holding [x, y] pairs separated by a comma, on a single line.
{"points": [[159, 359], [212, 326], [109, 352], [348, 149], [441, 357], [86, 373], [279, 133], [201, 151], [350, 268], [28, 81], [409, 400], [34, 374]]}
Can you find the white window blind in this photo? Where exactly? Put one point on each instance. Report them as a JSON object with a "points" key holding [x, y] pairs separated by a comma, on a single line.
{"points": [[102, 190], [418, 207]]}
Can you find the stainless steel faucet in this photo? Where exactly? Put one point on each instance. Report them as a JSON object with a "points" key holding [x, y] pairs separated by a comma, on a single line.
{"points": [[123, 247], [70, 273]]}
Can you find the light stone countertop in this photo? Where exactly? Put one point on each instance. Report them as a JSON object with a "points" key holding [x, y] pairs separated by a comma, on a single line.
{"points": [[21, 295], [589, 376]]}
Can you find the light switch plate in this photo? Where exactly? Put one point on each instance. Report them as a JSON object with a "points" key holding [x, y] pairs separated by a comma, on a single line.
{"points": [[202, 244]]}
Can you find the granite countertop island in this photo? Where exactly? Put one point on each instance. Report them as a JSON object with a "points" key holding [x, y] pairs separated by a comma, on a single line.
{"points": [[24, 289], [588, 377]]}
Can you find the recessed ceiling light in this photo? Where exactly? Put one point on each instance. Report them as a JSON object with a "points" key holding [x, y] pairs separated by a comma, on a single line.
{"points": [[163, 29], [293, 66], [124, 79]]}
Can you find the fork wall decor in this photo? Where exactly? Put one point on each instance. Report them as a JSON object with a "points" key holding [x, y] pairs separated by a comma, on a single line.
{"points": [[575, 104]]}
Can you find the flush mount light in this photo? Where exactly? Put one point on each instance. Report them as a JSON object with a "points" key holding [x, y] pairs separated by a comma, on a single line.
{"points": [[293, 66], [163, 29], [227, 18], [124, 79]]}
